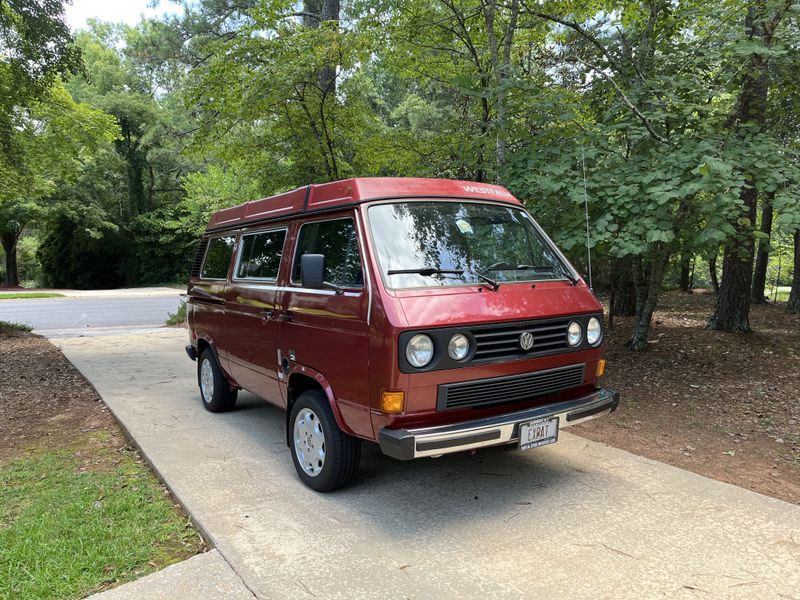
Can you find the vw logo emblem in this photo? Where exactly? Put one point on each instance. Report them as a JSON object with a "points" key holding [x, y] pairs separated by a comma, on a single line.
{"points": [[526, 340]]}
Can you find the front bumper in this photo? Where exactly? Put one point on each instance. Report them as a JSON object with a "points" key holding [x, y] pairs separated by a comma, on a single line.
{"points": [[405, 444]]}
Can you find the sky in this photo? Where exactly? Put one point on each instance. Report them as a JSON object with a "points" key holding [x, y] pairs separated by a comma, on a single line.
{"points": [[125, 11]]}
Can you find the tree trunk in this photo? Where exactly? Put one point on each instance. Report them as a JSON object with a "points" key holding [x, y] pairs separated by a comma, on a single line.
{"points": [[500, 67], [793, 305], [762, 257], [648, 289], [327, 75], [9, 240], [732, 310], [683, 284], [623, 296], [321, 121], [712, 273]]}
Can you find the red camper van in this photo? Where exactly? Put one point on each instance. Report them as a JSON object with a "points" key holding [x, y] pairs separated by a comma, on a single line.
{"points": [[429, 316]]}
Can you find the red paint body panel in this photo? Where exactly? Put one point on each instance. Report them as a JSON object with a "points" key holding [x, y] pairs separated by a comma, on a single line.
{"points": [[341, 194], [349, 342], [513, 301]]}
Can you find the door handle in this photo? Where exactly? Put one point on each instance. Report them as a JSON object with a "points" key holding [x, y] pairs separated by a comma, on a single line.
{"points": [[286, 316]]}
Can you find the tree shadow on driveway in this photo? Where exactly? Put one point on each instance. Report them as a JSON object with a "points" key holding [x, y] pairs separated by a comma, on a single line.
{"points": [[410, 498]]}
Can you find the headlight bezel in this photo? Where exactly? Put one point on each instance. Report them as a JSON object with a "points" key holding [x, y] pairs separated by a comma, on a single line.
{"points": [[467, 350], [599, 339], [420, 337], [570, 331]]}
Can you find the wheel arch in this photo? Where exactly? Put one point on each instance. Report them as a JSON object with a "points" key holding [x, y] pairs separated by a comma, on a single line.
{"points": [[202, 345], [299, 382]]}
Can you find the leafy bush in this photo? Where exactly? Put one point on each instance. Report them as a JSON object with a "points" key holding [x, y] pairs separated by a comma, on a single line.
{"points": [[7, 328], [178, 317], [73, 256]]}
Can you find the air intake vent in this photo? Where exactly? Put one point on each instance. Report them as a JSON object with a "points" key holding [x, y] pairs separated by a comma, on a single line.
{"points": [[198, 258], [512, 388]]}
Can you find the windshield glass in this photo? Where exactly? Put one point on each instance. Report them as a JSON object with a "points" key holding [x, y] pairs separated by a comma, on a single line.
{"points": [[424, 244]]}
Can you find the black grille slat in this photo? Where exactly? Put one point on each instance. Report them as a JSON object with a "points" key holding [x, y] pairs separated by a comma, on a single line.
{"points": [[512, 388], [480, 335], [522, 387], [502, 341], [198, 257]]}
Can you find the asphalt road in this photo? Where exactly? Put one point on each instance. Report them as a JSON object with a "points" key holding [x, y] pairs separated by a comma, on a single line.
{"points": [[575, 520], [47, 314]]}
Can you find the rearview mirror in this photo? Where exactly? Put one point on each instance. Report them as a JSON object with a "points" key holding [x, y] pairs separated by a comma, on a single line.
{"points": [[312, 271]]}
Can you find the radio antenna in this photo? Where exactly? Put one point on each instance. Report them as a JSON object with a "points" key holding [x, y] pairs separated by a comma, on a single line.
{"points": [[586, 212]]}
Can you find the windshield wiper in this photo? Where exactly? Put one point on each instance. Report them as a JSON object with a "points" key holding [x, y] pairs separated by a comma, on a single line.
{"points": [[430, 271], [491, 282], [426, 271], [551, 269]]}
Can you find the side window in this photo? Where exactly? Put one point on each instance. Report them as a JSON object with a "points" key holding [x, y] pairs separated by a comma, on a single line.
{"points": [[218, 257], [338, 241], [260, 257]]}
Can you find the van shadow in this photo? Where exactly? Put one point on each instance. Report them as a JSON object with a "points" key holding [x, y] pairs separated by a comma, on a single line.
{"points": [[411, 498]]}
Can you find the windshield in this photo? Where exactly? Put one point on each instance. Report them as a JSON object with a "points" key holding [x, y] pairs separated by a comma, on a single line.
{"points": [[424, 244]]}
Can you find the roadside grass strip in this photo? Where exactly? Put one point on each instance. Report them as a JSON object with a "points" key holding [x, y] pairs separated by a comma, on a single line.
{"points": [[18, 295], [84, 519]]}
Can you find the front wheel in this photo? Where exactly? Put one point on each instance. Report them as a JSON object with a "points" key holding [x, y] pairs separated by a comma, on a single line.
{"points": [[215, 390], [325, 457]]}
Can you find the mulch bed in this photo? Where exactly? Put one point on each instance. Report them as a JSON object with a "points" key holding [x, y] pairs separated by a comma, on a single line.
{"points": [[723, 405], [44, 401]]}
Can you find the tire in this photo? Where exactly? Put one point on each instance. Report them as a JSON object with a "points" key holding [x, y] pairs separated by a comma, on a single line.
{"points": [[325, 457], [215, 391]]}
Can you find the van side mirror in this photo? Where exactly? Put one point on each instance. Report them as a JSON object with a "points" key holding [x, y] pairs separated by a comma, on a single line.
{"points": [[312, 271]]}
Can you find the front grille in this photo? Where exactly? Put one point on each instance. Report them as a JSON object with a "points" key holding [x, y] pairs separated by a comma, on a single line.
{"points": [[512, 388], [503, 341], [198, 257]]}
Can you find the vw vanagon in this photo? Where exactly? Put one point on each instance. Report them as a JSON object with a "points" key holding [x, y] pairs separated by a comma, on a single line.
{"points": [[428, 316]]}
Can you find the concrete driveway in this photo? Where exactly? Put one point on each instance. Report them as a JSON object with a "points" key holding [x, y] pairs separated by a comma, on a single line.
{"points": [[573, 520]]}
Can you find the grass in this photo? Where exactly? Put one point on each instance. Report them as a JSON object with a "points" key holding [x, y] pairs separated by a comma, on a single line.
{"points": [[6, 327], [70, 527], [778, 296], [178, 317], [17, 295]]}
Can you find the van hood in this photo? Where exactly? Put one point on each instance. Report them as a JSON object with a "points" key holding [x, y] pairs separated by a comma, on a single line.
{"points": [[432, 307]]}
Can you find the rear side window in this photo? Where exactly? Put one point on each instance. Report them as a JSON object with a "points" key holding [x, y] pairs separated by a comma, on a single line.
{"points": [[260, 256], [218, 257], [338, 241]]}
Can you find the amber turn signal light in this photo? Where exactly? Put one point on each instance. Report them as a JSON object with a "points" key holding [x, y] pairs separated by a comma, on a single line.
{"points": [[393, 402], [601, 367]]}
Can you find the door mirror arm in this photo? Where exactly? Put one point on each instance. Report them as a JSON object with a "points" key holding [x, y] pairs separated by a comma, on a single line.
{"points": [[332, 286]]}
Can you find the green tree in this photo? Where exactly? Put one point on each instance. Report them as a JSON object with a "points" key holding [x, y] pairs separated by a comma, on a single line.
{"points": [[35, 50], [55, 138]]}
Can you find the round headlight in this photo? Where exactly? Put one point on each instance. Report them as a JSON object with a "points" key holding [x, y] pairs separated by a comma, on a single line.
{"points": [[458, 347], [574, 334], [594, 331], [419, 350]]}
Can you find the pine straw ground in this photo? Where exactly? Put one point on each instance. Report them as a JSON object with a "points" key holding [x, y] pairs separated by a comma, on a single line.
{"points": [[723, 405]]}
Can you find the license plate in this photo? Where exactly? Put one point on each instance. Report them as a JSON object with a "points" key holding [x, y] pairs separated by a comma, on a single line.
{"points": [[538, 433]]}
